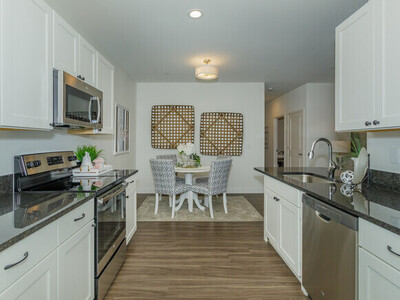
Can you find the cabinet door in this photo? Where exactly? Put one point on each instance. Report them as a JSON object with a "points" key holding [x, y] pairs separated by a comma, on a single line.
{"points": [[76, 265], [39, 283], [289, 234], [272, 218], [131, 221], [377, 279], [87, 61], [26, 64], [105, 83], [355, 71], [388, 63], [66, 40]]}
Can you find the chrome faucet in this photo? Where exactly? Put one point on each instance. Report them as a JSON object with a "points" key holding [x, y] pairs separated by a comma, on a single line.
{"points": [[332, 166]]}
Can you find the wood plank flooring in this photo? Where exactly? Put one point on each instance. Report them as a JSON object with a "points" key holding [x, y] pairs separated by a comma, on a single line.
{"points": [[188, 260]]}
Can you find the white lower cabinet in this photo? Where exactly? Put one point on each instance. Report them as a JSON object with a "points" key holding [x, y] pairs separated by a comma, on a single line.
{"points": [[40, 283], [49, 268], [282, 221], [289, 237], [131, 202], [377, 279], [271, 217], [76, 265]]}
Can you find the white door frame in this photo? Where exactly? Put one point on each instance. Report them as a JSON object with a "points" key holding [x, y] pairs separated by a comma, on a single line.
{"points": [[287, 136]]}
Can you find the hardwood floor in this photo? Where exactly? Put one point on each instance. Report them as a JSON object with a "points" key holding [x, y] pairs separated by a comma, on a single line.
{"points": [[187, 260]]}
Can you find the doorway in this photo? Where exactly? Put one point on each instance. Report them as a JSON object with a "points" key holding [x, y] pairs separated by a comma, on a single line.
{"points": [[279, 142], [295, 139]]}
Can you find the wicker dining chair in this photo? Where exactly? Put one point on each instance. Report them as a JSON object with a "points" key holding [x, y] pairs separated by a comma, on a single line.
{"points": [[165, 182], [216, 184], [205, 178]]}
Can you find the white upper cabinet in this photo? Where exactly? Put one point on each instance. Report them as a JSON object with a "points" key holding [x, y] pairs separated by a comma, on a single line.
{"points": [[87, 62], [387, 62], [65, 48], [26, 64], [367, 64], [355, 97], [105, 83]]}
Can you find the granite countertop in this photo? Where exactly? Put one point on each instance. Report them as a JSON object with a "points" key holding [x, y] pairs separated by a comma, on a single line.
{"points": [[21, 214], [376, 204]]}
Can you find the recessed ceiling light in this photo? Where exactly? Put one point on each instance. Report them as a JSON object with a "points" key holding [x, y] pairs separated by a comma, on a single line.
{"points": [[195, 13]]}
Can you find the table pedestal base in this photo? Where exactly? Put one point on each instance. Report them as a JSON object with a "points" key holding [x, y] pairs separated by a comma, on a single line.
{"points": [[190, 196]]}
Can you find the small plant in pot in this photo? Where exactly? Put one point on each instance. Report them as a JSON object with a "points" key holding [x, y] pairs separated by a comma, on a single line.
{"points": [[90, 149]]}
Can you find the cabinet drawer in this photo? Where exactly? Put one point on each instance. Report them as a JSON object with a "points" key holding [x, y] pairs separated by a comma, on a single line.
{"points": [[131, 183], [76, 220], [376, 240], [281, 189], [36, 247]]}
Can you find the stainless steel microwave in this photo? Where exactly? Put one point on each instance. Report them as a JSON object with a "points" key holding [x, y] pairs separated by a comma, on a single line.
{"points": [[76, 104]]}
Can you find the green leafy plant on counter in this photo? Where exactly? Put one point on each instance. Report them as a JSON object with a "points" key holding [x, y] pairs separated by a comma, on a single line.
{"points": [[92, 150]]}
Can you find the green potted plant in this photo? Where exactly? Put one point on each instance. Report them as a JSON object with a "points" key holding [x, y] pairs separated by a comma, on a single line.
{"points": [[92, 150]]}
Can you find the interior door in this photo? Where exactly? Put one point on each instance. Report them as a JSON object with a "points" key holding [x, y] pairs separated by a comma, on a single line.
{"points": [[295, 139]]}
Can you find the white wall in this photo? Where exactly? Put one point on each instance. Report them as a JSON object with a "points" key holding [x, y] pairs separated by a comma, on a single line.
{"points": [[318, 102], [245, 98], [23, 142], [380, 145]]}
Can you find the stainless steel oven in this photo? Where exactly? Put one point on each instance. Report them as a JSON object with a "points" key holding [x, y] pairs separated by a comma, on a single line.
{"points": [[76, 103], [110, 237]]}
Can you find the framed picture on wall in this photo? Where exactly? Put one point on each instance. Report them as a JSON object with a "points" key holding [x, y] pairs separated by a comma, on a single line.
{"points": [[121, 137]]}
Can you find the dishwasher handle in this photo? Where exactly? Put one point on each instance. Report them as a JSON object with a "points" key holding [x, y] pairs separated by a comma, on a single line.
{"points": [[327, 213]]}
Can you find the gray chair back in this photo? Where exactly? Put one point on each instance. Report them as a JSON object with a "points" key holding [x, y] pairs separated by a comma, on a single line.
{"points": [[164, 175], [173, 157], [219, 174]]}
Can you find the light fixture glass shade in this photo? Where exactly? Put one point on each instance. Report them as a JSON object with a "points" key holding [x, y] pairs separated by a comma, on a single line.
{"points": [[206, 72]]}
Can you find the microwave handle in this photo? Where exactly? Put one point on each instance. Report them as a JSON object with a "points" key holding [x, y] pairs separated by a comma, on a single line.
{"points": [[98, 110], [90, 109]]}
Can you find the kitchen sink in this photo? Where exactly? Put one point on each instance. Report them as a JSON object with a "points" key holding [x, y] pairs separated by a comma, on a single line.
{"points": [[308, 178]]}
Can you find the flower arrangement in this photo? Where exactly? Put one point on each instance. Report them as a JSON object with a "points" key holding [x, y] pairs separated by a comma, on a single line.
{"points": [[188, 156]]}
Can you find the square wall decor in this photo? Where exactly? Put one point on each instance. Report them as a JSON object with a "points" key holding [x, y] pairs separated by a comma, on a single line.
{"points": [[221, 133], [171, 125]]}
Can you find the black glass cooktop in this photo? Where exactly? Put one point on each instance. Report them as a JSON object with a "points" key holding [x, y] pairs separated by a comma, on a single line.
{"points": [[79, 184]]}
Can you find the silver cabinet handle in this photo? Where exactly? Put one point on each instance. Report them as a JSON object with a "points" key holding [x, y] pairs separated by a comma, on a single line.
{"points": [[80, 218], [26, 254], [132, 181], [376, 122], [322, 217], [276, 198], [391, 251], [367, 123]]}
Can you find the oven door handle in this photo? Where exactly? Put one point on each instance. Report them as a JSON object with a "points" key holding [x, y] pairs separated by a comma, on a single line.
{"points": [[112, 195]]}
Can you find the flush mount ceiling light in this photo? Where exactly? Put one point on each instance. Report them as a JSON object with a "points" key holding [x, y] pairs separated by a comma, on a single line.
{"points": [[195, 13], [206, 72]]}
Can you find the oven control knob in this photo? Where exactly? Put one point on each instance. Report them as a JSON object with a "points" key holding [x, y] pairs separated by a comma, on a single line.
{"points": [[36, 163], [72, 158], [29, 164]]}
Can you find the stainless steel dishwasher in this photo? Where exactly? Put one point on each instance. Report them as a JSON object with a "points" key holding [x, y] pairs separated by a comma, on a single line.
{"points": [[330, 244]]}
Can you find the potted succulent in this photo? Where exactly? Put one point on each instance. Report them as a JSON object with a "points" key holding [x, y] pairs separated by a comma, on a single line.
{"points": [[93, 152]]}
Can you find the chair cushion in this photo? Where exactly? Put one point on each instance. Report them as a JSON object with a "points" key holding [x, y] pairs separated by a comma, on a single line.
{"points": [[181, 187], [200, 187]]}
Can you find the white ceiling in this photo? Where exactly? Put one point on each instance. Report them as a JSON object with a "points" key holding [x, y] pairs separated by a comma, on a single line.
{"points": [[283, 43]]}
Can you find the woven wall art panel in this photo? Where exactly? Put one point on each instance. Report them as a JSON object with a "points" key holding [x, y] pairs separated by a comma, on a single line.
{"points": [[171, 125], [221, 133]]}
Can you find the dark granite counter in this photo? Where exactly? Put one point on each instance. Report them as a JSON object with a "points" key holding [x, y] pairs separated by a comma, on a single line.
{"points": [[21, 214], [376, 204]]}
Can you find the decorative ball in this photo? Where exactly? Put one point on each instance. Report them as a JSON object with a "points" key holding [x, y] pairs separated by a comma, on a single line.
{"points": [[347, 190], [347, 177]]}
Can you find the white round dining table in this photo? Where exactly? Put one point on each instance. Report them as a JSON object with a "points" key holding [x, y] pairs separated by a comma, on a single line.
{"points": [[190, 196]]}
